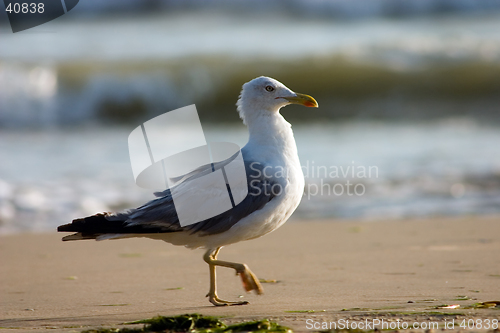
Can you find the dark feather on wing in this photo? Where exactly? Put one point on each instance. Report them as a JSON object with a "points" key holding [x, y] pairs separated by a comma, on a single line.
{"points": [[159, 215]]}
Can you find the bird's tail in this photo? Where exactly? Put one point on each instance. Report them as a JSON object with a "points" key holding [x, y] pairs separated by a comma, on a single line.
{"points": [[93, 227]]}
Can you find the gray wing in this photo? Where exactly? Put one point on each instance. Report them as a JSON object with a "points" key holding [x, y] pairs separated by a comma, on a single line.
{"points": [[159, 215]]}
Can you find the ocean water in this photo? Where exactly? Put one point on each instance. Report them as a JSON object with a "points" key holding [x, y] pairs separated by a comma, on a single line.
{"points": [[408, 124], [451, 167], [78, 70]]}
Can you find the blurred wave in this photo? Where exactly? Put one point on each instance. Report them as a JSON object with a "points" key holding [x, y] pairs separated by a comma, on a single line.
{"points": [[126, 69]]}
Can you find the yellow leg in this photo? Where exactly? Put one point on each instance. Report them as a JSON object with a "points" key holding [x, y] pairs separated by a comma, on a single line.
{"points": [[250, 281]]}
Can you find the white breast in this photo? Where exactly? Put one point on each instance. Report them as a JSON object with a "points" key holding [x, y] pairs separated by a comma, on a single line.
{"points": [[280, 151]]}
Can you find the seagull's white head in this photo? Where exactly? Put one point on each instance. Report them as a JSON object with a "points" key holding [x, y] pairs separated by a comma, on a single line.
{"points": [[266, 96]]}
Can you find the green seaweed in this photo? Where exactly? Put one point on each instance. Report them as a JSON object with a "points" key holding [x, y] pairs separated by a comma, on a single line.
{"points": [[485, 305], [115, 330], [175, 288], [357, 309], [185, 323], [387, 308], [11, 328], [421, 313], [259, 326], [195, 323], [462, 298], [304, 311]]}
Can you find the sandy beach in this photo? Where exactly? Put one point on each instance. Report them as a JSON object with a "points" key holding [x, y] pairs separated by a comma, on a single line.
{"points": [[340, 269]]}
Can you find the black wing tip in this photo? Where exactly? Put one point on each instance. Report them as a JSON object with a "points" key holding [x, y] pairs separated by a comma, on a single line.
{"points": [[66, 227], [107, 223], [80, 224]]}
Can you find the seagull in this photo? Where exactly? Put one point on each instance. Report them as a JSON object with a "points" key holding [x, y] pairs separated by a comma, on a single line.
{"points": [[275, 188]]}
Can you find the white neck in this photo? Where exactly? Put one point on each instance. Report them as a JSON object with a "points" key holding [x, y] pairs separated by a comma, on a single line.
{"points": [[272, 131], [268, 128]]}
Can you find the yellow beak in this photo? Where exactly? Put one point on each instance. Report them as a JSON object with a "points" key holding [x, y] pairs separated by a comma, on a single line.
{"points": [[303, 99]]}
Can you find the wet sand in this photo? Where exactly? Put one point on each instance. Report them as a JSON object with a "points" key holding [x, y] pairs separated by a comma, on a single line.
{"points": [[342, 270]]}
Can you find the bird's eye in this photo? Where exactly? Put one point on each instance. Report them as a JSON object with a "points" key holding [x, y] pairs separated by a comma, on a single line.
{"points": [[270, 88]]}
